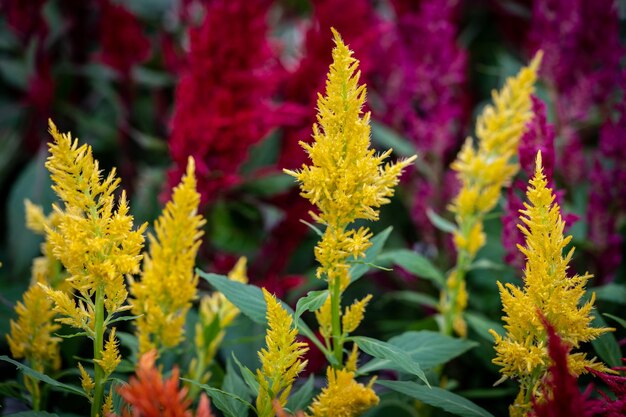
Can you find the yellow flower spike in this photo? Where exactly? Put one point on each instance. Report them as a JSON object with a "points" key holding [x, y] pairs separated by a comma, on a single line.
{"points": [[110, 356], [32, 335], [107, 407], [353, 358], [168, 282], [36, 220], [483, 172], [323, 316], [85, 381], [346, 180], [354, 315], [343, 396], [548, 292], [281, 360]]}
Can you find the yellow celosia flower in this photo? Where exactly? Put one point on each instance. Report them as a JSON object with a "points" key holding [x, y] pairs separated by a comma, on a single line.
{"points": [[483, 172], [354, 315], [96, 244], [168, 282], [343, 396], [281, 360], [216, 313], [346, 180], [32, 335], [547, 292], [353, 358], [110, 356], [86, 381]]}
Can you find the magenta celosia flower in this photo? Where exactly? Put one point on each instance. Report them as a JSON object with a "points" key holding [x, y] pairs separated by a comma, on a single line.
{"points": [[560, 392], [25, 18], [222, 102], [122, 40], [608, 406]]}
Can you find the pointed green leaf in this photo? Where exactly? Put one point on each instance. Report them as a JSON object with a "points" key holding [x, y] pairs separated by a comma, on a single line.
{"points": [[300, 399], [222, 399], [359, 269], [44, 378], [440, 223], [248, 377], [437, 397], [234, 384], [415, 263], [391, 353], [425, 347], [311, 302]]}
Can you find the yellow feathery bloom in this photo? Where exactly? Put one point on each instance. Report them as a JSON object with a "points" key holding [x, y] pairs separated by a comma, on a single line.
{"points": [[110, 355], [347, 181], [31, 336], [168, 282], [107, 407], [281, 360], [483, 172], [354, 314], [216, 313], [343, 396], [353, 358], [323, 316], [547, 292], [86, 381], [96, 244]]}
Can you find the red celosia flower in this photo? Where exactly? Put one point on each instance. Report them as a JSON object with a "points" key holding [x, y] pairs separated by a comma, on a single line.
{"points": [[148, 395], [25, 18], [561, 395], [222, 100], [617, 384], [122, 39]]}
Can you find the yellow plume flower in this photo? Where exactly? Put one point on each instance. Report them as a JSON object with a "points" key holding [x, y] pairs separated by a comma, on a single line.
{"points": [[343, 396], [346, 180], [483, 172], [281, 360], [96, 244], [110, 355], [86, 381], [547, 292], [216, 313], [354, 315], [168, 282], [31, 336]]}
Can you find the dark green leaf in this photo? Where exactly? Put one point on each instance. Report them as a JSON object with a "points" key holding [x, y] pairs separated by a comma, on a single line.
{"points": [[44, 378], [606, 346], [300, 399], [388, 138], [33, 414], [234, 384], [415, 263], [437, 397], [425, 347], [482, 325], [412, 298], [620, 321], [248, 377], [222, 399], [395, 355], [615, 293]]}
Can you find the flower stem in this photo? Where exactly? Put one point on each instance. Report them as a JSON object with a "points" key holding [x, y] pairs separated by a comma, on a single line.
{"points": [[335, 300], [98, 345]]}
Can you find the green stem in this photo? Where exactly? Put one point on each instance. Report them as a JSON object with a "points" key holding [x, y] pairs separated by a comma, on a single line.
{"points": [[450, 312], [98, 345], [335, 305]]}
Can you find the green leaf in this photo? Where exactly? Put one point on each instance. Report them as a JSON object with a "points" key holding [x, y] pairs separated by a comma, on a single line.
{"points": [[486, 264], [301, 398], [311, 302], [359, 269], [248, 377], [234, 384], [44, 378], [440, 223], [222, 399], [620, 321], [412, 298], [269, 185], [482, 325], [11, 389], [151, 78], [425, 347], [33, 414], [391, 139], [437, 397], [249, 300], [386, 351], [71, 336], [124, 318], [415, 263], [614, 293], [606, 346]]}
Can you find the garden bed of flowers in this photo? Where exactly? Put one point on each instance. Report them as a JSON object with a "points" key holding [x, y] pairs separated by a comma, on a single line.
{"points": [[323, 208]]}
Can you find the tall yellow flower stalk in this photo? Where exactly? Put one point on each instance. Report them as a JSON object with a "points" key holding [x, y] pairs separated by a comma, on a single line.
{"points": [[168, 283], [32, 334], [346, 180], [97, 246], [483, 172], [281, 360], [547, 292]]}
